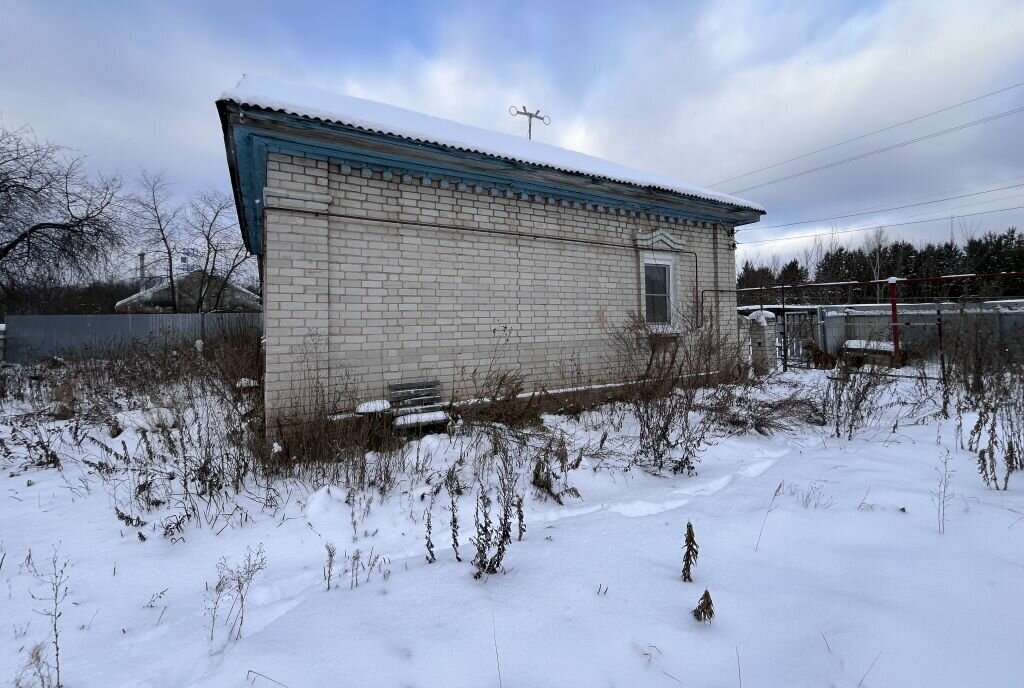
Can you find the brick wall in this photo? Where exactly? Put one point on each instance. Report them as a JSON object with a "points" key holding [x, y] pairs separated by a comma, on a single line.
{"points": [[371, 281]]}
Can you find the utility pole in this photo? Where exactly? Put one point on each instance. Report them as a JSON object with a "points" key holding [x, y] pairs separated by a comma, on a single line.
{"points": [[530, 117]]}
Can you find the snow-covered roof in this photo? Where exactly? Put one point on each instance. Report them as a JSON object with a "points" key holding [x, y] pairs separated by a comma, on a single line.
{"points": [[144, 295], [868, 345], [305, 101]]}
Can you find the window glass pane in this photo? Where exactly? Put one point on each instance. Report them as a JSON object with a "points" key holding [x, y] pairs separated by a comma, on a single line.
{"points": [[657, 308], [656, 278], [656, 286]]}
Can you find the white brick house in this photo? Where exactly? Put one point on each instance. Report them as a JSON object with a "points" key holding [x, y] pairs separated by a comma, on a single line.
{"points": [[396, 247]]}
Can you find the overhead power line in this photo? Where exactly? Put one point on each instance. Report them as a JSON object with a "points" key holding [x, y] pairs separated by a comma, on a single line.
{"points": [[880, 210], [885, 149], [885, 225], [871, 133]]}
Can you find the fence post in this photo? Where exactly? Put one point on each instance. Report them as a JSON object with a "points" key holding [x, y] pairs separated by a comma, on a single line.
{"points": [[942, 350], [897, 358], [785, 339]]}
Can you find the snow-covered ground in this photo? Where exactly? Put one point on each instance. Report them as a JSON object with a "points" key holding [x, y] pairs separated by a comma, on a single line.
{"points": [[850, 585]]}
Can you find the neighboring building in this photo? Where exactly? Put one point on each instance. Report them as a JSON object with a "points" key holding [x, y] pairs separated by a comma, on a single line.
{"points": [[195, 292], [395, 247]]}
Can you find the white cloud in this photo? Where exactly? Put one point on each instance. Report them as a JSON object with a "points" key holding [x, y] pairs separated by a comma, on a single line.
{"points": [[698, 92]]}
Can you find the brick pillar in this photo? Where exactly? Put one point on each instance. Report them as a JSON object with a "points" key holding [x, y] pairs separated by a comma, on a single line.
{"points": [[763, 349]]}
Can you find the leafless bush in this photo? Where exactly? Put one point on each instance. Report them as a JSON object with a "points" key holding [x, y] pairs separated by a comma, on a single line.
{"points": [[488, 535], [32, 445], [941, 495], [321, 443], [193, 473], [431, 557], [329, 566], [810, 496], [988, 383], [664, 375], [358, 563], [226, 600], [55, 592], [453, 485], [755, 406], [854, 399], [37, 671]]}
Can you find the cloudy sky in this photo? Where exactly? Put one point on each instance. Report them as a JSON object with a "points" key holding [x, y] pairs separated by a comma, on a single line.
{"points": [[702, 91]]}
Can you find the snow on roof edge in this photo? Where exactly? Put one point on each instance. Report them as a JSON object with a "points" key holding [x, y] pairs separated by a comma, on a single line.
{"points": [[315, 103]]}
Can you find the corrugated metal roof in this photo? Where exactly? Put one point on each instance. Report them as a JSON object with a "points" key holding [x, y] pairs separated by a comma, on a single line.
{"points": [[381, 118]]}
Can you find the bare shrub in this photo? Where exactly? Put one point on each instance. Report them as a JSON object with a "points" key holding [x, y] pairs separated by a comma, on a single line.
{"points": [[998, 433], [941, 495], [33, 445], [852, 399], [988, 383], [431, 557], [488, 535], [664, 375], [754, 405], [455, 489], [812, 496], [551, 464], [329, 565], [369, 563], [226, 599], [37, 671], [499, 399], [55, 592]]}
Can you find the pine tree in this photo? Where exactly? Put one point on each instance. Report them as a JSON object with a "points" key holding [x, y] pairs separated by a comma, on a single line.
{"points": [[690, 551], [705, 610]]}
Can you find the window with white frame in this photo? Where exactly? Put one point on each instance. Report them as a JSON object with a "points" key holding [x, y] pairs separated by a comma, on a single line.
{"points": [[658, 291]]}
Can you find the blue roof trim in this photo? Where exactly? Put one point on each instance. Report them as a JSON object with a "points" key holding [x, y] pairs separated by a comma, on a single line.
{"points": [[252, 144]]}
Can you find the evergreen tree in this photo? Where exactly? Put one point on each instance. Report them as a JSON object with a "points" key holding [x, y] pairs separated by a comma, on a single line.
{"points": [[793, 273], [755, 276]]}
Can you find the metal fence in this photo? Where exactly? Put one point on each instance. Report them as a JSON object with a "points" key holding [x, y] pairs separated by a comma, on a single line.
{"points": [[33, 337], [927, 334]]}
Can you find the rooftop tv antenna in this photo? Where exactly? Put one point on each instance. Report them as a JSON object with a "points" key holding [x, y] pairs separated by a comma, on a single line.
{"points": [[530, 117]]}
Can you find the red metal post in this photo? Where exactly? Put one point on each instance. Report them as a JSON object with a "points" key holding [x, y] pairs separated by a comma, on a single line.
{"points": [[897, 358]]}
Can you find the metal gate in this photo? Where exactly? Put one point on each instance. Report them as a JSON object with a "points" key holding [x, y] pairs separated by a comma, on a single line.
{"points": [[794, 330]]}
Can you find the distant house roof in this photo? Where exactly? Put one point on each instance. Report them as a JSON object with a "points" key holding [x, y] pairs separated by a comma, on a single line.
{"points": [[261, 117], [158, 296]]}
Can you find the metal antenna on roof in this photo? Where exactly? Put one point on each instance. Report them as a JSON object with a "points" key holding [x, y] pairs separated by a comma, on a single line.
{"points": [[530, 117]]}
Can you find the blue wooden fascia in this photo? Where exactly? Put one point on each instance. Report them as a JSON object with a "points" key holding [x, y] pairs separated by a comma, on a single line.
{"points": [[252, 145]]}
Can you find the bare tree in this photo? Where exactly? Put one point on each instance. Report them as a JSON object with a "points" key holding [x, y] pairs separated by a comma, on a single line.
{"points": [[159, 222], [874, 245], [811, 256], [55, 221], [213, 230]]}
